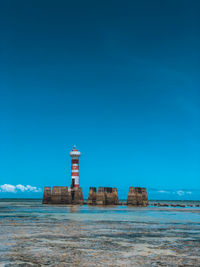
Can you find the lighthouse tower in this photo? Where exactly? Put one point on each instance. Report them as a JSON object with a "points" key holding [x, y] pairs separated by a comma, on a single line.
{"points": [[75, 154]]}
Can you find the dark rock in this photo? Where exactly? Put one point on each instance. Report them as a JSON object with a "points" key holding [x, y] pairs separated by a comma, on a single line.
{"points": [[164, 205]]}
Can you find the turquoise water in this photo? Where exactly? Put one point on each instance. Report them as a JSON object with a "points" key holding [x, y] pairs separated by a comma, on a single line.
{"points": [[32, 234]]}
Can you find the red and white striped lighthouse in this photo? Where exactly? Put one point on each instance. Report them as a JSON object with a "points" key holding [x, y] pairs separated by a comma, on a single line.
{"points": [[75, 154]]}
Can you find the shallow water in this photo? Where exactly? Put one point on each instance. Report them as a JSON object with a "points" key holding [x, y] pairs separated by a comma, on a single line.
{"points": [[32, 234]]}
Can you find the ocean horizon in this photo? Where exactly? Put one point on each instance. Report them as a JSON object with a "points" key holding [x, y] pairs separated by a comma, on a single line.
{"points": [[20, 191], [151, 201]]}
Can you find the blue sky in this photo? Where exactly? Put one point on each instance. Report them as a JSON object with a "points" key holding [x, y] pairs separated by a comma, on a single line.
{"points": [[118, 79]]}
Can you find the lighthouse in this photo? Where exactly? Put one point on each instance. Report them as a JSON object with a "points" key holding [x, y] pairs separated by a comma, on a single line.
{"points": [[75, 154]]}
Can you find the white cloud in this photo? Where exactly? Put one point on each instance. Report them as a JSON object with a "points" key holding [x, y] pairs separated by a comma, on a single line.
{"points": [[7, 188], [163, 192], [33, 188], [19, 188], [182, 193], [178, 192]]}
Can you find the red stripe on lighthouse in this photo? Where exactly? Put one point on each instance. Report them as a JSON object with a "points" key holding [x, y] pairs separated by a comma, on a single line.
{"points": [[75, 174], [75, 161]]}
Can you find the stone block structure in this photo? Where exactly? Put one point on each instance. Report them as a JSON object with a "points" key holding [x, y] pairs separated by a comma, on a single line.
{"points": [[46, 195], [76, 196], [92, 196], [104, 196], [62, 195], [137, 196]]}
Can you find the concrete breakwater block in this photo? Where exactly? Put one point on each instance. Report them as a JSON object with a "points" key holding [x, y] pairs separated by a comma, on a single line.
{"points": [[92, 197], [62, 195], [137, 196], [104, 196]]}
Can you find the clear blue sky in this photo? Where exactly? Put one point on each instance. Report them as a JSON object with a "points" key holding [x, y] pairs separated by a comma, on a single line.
{"points": [[120, 79]]}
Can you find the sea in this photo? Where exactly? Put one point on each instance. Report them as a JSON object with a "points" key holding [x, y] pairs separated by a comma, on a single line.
{"points": [[32, 234]]}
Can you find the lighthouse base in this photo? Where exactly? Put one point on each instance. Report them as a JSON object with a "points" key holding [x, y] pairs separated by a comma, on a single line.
{"points": [[62, 195]]}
